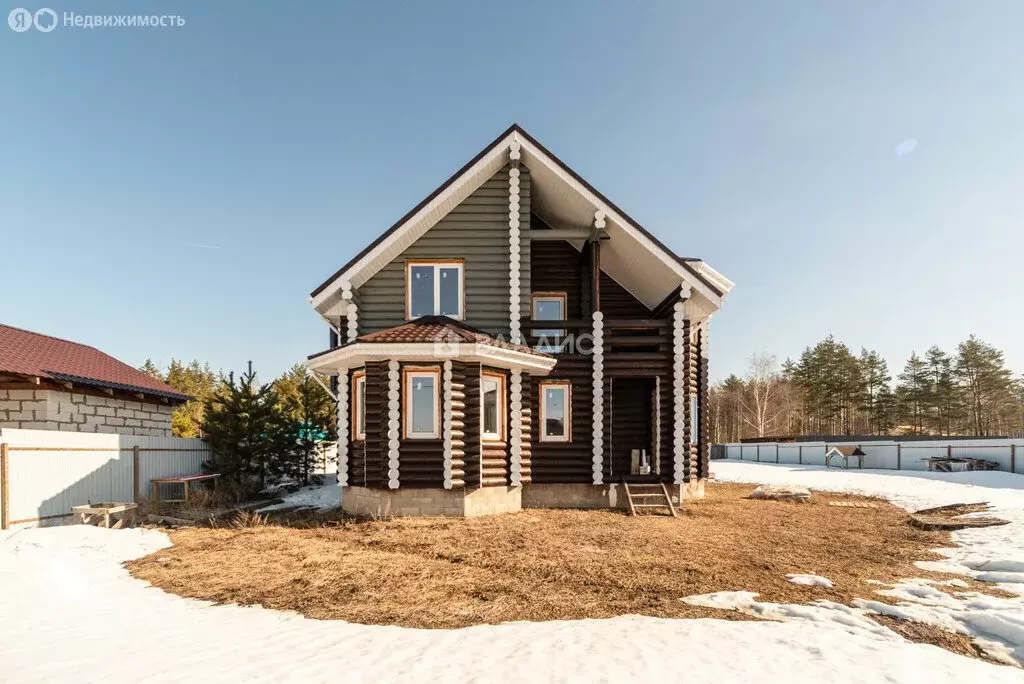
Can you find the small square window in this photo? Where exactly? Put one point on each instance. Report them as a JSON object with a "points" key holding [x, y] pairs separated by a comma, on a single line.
{"points": [[421, 403], [555, 412], [548, 306]]}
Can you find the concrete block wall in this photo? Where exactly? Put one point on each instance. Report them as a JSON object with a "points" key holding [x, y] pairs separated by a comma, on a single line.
{"points": [[48, 409]]}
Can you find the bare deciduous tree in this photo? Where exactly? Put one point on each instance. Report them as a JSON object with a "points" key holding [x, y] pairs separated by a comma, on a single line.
{"points": [[763, 402]]}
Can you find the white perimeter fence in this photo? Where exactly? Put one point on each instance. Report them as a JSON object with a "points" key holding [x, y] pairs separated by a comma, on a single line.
{"points": [[44, 473], [885, 455]]}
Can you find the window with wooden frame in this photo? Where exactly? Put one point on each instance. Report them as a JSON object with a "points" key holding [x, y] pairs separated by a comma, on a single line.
{"points": [[434, 288], [492, 406], [548, 306], [358, 394], [555, 412], [421, 405]]}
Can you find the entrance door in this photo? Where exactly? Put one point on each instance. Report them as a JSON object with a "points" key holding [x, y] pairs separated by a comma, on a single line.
{"points": [[632, 420]]}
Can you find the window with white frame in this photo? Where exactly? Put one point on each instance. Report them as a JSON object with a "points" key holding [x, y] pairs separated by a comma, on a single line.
{"points": [[434, 289], [548, 306], [359, 405], [421, 403], [555, 412], [492, 406]]}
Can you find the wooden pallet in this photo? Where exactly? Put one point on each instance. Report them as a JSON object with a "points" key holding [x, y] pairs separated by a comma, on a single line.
{"points": [[646, 491]]}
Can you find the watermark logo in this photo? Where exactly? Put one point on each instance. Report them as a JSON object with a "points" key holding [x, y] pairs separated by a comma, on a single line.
{"points": [[20, 19], [45, 20]]}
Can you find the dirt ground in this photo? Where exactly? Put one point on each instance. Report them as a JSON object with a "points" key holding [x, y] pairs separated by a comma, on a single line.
{"points": [[546, 564]]}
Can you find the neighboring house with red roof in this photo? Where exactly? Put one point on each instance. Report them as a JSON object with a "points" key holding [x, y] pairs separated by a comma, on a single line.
{"points": [[47, 383], [517, 340]]}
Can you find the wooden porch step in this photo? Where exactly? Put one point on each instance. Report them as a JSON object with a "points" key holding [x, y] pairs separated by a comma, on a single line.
{"points": [[666, 500]]}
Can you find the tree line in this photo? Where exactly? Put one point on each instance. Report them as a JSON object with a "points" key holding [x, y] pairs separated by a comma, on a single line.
{"points": [[829, 390], [259, 433]]}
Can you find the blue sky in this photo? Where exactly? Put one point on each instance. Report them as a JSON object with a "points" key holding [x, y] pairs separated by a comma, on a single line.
{"points": [[764, 139]]}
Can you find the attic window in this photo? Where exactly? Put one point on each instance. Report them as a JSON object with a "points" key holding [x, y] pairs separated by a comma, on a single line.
{"points": [[434, 288]]}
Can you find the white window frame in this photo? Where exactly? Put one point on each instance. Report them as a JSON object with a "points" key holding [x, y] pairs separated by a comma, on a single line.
{"points": [[410, 375], [540, 297], [499, 379], [438, 264], [358, 405], [543, 387]]}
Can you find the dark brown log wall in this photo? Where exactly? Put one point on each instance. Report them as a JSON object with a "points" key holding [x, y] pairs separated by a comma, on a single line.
{"points": [[703, 445], [420, 461], [375, 457], [468, 375], [559, 462], [690, 383], [555, 266]]}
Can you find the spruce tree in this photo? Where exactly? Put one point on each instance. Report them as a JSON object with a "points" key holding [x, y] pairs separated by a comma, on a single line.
{"points": [[310, 417], [242, 424]]}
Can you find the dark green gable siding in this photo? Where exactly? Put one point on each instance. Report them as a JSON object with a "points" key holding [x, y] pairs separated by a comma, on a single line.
{"points": [[477, 231]]}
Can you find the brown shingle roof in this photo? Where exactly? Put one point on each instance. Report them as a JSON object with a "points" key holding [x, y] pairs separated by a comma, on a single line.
{"points": [[435, 329], [23, 352]]}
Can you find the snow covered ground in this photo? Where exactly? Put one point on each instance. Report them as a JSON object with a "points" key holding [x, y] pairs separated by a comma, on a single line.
{"points": [[991, 554], [70, 612]]}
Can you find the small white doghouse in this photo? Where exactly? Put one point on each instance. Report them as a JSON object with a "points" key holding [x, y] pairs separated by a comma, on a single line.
{"points": [[845, 453]]}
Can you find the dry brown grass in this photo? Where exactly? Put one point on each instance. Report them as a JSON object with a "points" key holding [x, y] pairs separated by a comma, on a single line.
{"points": [[546, 565]]}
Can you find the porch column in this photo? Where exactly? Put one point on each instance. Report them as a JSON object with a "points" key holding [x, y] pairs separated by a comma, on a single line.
{"points": [[598, 397], [394, 421], [514, 290], [681, 389], [351, 311], [516, 428], [446, 422], [342, 393]]}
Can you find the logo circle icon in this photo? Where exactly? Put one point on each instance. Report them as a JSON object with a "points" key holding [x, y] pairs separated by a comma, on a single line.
{"points": [[45, 27], [20, 19]]}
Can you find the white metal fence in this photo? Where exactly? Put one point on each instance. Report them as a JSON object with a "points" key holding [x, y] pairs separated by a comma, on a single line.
{"points": [[886, 455], [44, 473]]}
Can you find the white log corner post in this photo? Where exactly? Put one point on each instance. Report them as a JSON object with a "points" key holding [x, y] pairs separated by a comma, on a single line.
{"points": [[598, 378], [351, 311], [514, 292], [516, 428], [343, 430], [394, 422], [446, 422], [679, 385]]}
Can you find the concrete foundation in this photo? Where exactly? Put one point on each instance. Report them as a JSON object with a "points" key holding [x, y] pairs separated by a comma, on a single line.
{"points": [[365, 502]]}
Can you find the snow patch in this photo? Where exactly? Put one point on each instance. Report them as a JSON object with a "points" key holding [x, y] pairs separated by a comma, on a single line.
{"points": [[321, 498], [227, 643], [986, 554], [809, 580]]}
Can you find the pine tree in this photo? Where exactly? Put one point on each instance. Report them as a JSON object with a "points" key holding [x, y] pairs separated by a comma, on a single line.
{"points": [[986, 381], [877, 396], [943, 394], [242, 423], [914, 392]]}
